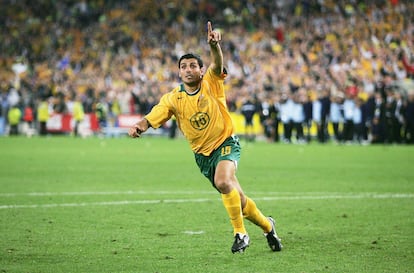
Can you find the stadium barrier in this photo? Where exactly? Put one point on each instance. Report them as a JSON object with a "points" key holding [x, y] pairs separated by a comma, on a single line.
{"points": [[125, 121], [64, 123]]}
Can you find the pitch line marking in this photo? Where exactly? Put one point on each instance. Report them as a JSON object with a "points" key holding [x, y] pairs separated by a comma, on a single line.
{"points": [[203, 200], [85, 193], [104, 193]]}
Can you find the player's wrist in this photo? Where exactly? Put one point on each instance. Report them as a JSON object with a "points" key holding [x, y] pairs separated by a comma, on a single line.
{"points": [[148, 124]]}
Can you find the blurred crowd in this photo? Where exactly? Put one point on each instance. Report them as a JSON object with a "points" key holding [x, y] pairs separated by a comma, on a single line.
{"points": [[346, 64]]}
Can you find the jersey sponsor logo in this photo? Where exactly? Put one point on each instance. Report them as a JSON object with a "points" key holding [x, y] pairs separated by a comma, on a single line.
{"points": [[200, 120]]}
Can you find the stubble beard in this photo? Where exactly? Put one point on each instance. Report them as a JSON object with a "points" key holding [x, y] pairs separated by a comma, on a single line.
{"points": [[194, 83]]}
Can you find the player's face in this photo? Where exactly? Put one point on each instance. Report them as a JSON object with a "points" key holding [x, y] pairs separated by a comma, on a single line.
{"points": [[190, 72]]}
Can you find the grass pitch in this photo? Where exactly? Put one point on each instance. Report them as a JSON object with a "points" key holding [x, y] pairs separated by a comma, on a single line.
{"points": [[124, 205]]}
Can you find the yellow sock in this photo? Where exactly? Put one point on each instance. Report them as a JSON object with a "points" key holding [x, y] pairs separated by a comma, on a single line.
{"points": [[254, 215], [232, 204]]}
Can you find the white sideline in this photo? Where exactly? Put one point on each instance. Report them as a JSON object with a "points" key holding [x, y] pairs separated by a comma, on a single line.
{"points": [[105, 193], [165, 192], [202, 200]]}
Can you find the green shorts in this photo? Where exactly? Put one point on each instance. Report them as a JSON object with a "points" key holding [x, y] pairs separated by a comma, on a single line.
{"points": [[228, 150]]}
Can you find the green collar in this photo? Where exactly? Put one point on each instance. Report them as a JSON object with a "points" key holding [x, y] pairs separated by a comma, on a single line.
{"points": [[182, 89]]}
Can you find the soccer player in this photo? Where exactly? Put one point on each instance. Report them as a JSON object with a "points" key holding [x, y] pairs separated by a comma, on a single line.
{"points": [[199, 105]]}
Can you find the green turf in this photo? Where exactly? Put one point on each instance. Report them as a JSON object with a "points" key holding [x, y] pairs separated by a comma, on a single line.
{"points": [[124, 205]]}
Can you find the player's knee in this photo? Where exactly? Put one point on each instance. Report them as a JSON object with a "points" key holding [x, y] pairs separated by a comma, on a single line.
{"points": [[223, 185]]}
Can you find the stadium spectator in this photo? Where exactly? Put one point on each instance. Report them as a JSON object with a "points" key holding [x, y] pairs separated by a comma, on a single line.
{"points": [[248, 109], [336, 115], [399, 118], [43, 116], [311, 110], [28, 118], [378, 122], [323, 135], [298, 115], [349, 108], [78, 115], [173, 128], [409, 67], [14, 116], [409, 119], [286, 113], [358, 121], [268, 109], [391, 134], [4, 108], [320, 115], [272, 46], [101, 111]]}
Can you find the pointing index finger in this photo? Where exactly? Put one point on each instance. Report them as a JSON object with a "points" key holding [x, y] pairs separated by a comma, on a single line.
{"points": [[209, 28]]}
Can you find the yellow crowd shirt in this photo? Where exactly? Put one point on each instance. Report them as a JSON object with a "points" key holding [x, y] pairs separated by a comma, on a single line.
{"points": [[43, 112], [202, 117], [14, 116], [78, 113]]}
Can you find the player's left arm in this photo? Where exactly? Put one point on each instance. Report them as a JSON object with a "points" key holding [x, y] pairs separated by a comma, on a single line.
{"points": [[213, 39], [139, 128], [158, 115]]}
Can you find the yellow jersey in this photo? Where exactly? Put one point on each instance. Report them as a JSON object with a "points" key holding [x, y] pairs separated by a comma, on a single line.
{"points": [[202, 117]]}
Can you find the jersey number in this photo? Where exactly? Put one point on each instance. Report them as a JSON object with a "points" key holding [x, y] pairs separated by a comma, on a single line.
{"points": [[226, 150], [200, 120]]}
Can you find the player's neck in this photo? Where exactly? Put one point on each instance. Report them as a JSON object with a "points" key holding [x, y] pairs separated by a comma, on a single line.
{"points": [[191, 90]]}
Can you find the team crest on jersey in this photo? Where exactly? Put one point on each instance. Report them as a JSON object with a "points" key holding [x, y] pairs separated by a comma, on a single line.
{"points": [[202, 101], [200, 120]]}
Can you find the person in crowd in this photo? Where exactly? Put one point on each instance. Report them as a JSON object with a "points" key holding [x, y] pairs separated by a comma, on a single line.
{"points": [[286, 113], [274, 114], [269, 117], [389, 109], [369, 112], [14, 117], [378, 121], [173, 128], [358, 121], [409, 67], [311, 109], [298, 115], [248, 109], [336, 115], [349, 107], [325, 102], [78, 115], [43, 116], [28, 116], [409, 118], [399, 121], [3, 112], [134, 63], [101, 110]]}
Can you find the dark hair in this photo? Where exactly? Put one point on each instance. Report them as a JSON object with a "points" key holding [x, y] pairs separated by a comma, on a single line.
{"points": [[191, 56]]}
